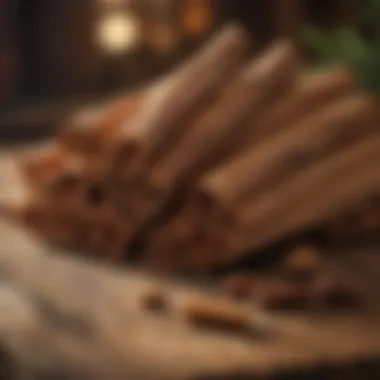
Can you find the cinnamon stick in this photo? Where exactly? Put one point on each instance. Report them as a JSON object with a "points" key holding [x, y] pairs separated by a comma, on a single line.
{"points": [[217, 315], [93, 190], [36, 167], [136, 199], [163, 118], [223, 132], [261, 167], [65, 184], [325, 190], [222, 129], [89, 131], [312, 92], [44, 219], [54, 173], [188, 238], [109, 237]]}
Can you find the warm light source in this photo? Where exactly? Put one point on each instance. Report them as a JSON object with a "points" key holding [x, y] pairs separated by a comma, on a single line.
{"points": [[118, 32]]}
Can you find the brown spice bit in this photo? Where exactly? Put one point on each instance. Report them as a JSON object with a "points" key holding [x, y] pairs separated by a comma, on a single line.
{"points": [[303, 262], [332, 291], [240, 285], [280, 295], [155, 301], [218, 315]]}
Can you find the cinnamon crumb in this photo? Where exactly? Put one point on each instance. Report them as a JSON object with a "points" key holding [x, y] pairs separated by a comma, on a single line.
{"points": [[155, 301], [218, 315], [239, 285], [332, 291], [303, 262]]}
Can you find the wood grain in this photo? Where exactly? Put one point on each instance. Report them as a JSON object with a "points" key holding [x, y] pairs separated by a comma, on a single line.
{"points": [[81, 319]]}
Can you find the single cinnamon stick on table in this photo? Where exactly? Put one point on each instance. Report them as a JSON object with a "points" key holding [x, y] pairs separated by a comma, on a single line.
{"points": [[222, 129], [166, 111], [259, 168], [217, 314]]}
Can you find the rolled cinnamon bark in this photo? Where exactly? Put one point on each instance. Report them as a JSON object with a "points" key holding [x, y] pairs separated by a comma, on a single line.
{"points": [[110, 237], [166, 112], [222, 129], [36, 167], [262, 167], [137, 201], [89, 131], [311, 93], [188, 238], [53, 173], [64, 186], [93, 189], [325, 190], [44, 219], [91, 204], [18, 212]]}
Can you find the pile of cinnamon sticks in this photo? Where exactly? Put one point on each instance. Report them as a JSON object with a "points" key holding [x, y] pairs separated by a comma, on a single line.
{"points": [[228, 153]]}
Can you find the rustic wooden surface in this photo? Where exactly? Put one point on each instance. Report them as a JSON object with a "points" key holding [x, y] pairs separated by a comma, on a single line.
{"points": [[80, 319]]}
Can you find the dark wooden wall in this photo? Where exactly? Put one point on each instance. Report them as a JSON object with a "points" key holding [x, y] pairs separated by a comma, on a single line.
{"points": [[47, 47], [9, 51]]}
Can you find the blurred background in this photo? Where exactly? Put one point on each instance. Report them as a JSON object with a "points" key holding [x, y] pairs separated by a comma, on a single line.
{"points": [[57, 54]]}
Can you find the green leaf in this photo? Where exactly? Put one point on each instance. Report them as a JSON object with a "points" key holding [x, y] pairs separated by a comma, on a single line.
{"points": [[347, 45], [350, 44], [318, 43], [367, 72], [338, 45]]}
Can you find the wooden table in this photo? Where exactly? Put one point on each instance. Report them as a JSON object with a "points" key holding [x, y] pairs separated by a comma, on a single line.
{"points": [[81, 319]]}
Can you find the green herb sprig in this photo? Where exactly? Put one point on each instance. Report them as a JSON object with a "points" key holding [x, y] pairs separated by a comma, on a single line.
{"points": [[357, 45]]}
